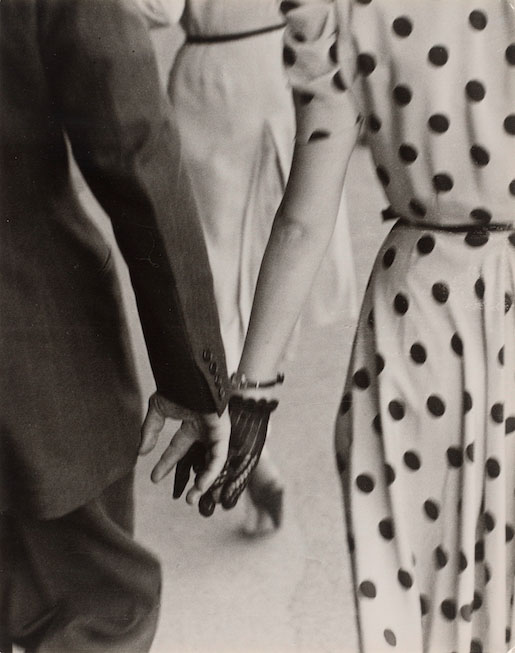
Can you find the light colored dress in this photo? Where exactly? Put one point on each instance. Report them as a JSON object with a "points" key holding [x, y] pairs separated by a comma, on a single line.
{"points": [[234, 110], [425, 435]]}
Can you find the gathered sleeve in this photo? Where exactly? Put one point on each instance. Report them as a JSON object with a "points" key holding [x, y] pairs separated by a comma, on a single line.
{"points": [[320, 66]]}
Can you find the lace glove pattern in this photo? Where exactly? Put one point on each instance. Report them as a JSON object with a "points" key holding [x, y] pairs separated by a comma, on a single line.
{"points": [[249, 425]]}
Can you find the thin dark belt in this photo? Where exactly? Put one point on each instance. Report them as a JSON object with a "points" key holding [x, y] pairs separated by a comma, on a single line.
{"points": [[456, 229], [222, 38]]}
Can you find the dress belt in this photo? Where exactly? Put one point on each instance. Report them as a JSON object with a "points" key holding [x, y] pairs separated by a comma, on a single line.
{"points": [[222, 38], [458, 228]]}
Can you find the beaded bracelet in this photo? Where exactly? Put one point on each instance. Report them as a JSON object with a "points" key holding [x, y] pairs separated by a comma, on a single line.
{"points": [[240, 382]]}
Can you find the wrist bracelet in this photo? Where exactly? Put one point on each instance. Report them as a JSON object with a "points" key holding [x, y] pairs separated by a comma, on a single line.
{"points": [[240, 382]]}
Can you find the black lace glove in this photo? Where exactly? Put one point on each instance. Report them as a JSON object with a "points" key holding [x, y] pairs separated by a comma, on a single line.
{"points": [[249, 424]]}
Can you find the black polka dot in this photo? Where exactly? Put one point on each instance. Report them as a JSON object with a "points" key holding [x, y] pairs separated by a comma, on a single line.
{"points": [[479, 551], [417, 208], [509, 124], [489, 521], [509, 533], [441, 557], [400, 304], [440, 291], [488, 574], [377, 426], [478, 19], [319, 134], [289, 56], [346, 403], [443, 182], [333, 53], [508, 302], [364, 2], [383, 175], [510, 54], [479, 155], [432, 509], [389, 637], [435, 405], [402, 26], [448, 608], [467, 401], [368, 589], [365, 483], [418, 353], [389, 473], [338, 82], [511, 239], [476, 646], [475, 90], [426, 244], [341, 463], [438, 55], [402, 95], [287, 6], [361, 378], [481, 215], [386, 529], [477, 237], [477, 601], [366, 63], [408, 153], [405, 578], [424, 605], [373, 123], [497, 413], [479, 288], [511, 187], [455, 456], [305, 98], [396, 409], [462, 561], [466, 612], [298, 36], [507, 635], [469, 451], [389, 257], [493, 469], [500, 355], [379, 361], [457, 344], [438, 123], [510, 425], [412, 460]]}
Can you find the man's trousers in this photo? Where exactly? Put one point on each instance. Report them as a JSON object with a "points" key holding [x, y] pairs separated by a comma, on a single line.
{"points": [[78, 583]]}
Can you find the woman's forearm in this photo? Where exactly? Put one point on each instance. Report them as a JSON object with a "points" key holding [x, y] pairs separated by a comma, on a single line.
{"points": [[301, 233]]}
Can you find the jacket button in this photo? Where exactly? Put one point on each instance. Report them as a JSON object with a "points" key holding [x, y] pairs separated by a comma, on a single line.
{"points": [[217, 380], [207, 355], [221, 393], [213, 367]]}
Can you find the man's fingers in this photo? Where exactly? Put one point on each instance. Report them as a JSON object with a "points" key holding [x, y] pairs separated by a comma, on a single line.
{"points": [[216, 462], [177, 448], [152, 426]]}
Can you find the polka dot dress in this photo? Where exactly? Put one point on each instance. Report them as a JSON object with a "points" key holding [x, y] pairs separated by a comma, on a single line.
{"points": [[425, 434]]}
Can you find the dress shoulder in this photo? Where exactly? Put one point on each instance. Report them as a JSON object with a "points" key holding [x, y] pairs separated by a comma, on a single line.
{"points": [[320, 70]]}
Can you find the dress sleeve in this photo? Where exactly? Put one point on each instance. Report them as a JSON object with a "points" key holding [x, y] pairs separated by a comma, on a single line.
{"points": [[158, 13], [320, 70]]}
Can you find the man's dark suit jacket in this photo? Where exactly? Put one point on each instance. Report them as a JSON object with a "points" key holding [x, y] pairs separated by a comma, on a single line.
{"points": [[69, 404]]}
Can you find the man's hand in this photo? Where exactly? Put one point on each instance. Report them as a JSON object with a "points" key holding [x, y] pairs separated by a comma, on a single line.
{"points": [[201, 443]]}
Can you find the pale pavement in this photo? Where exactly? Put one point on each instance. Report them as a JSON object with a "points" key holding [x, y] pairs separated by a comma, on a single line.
{"points": [[290, 591]]}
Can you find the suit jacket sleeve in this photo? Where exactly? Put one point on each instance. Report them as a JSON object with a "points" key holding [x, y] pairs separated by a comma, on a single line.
{"points": [[102, 71]]}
